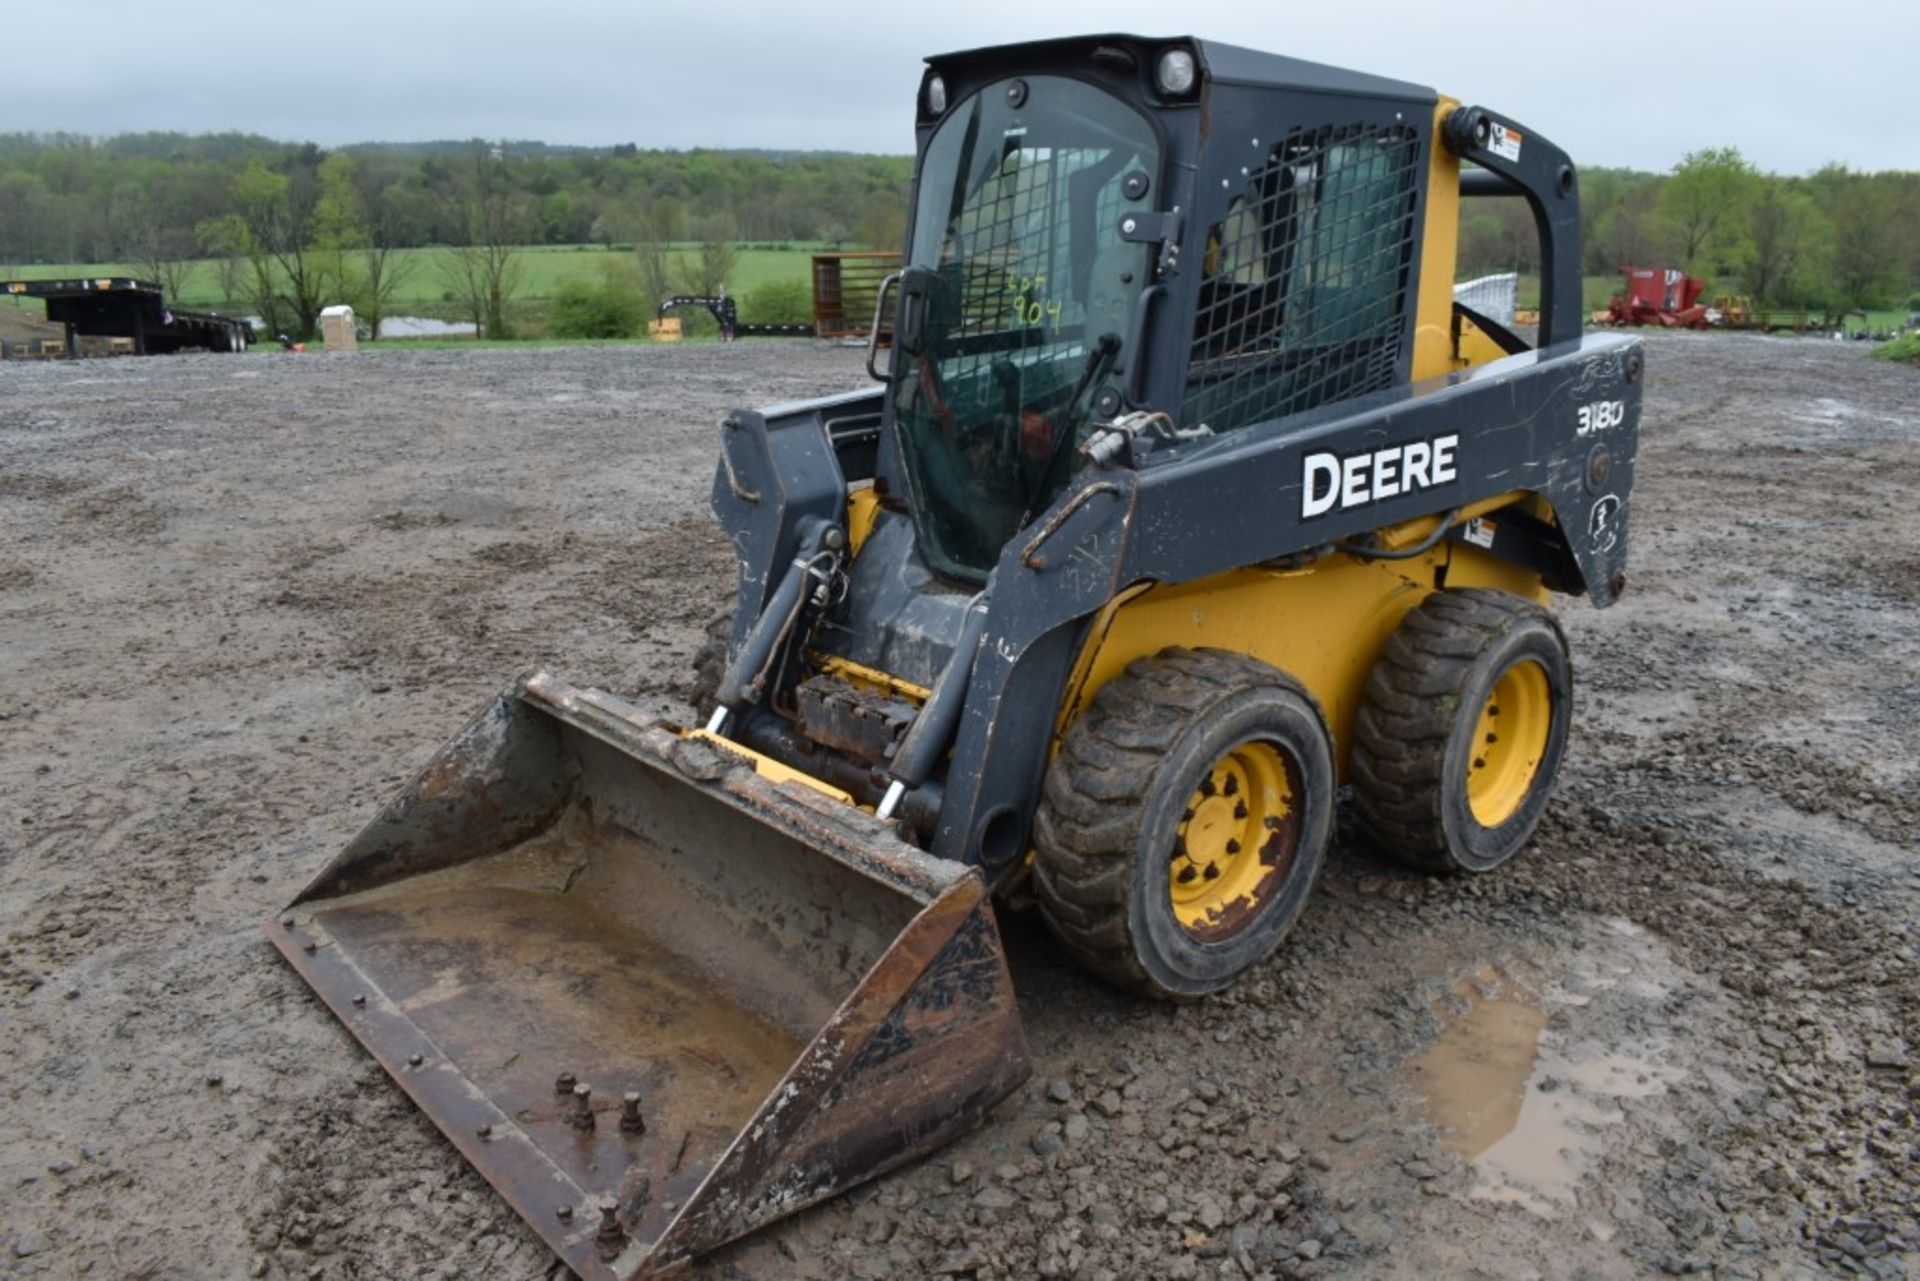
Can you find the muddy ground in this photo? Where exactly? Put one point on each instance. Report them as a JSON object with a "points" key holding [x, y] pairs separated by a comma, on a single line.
{"points": [[241, 599]]}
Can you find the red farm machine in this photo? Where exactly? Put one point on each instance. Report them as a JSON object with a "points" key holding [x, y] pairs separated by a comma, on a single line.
{"points": [[1663, 296]]}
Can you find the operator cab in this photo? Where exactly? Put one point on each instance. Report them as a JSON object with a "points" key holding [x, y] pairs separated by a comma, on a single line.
{"points": [[1109, 225]]}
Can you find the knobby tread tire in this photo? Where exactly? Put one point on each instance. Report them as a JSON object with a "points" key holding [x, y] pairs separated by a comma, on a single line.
{"points": [[1094, 802], [1408, 710]]}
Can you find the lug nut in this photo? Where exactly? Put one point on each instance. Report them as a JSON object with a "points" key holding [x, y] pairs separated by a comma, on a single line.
{"points": [[415, 1060], [631, 1121], [564, 1213]]}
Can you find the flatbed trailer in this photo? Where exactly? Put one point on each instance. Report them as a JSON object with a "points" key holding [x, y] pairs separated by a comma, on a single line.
{"points": [[122, 307]]}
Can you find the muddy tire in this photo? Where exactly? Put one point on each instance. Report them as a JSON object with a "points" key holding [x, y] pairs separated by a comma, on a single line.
{"points": [[1461, 731], [1184, 821], [710, 660]]}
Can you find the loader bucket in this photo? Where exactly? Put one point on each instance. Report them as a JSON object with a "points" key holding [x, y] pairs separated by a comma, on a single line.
{"points": [[657, 999]]}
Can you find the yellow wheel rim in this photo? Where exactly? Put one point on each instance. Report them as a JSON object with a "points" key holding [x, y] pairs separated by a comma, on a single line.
{"points": [[1509, 742], [1235, 840]]}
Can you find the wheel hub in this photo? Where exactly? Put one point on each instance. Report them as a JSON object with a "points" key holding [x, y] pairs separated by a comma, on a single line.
{"points": [[1234, 841], [1509, 742]]}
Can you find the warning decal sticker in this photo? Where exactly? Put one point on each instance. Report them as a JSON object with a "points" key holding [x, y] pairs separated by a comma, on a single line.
{"points": [[1504, 142]]}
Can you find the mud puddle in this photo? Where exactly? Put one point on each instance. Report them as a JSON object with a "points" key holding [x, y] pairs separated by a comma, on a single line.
{"points": [[1537, 1061]]}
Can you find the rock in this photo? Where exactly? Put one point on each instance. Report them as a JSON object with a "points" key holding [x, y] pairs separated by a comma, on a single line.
{"points": [[1886, 1054], [1272, 1177], [956, 1262], [995, 1197], [1108, 1104], [1047, 1144], [1077, 1127], [1309, 1249], [1348, 1134], [26, 1245], [960, 1171], [1420, 1170], [1059, 1092]]}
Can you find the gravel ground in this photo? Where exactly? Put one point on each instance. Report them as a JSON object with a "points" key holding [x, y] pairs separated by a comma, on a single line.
{"points": [[242, 599]]}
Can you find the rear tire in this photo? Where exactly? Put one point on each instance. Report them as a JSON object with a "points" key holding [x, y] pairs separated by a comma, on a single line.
{"points": [[1184, 821], [1461, 731]]}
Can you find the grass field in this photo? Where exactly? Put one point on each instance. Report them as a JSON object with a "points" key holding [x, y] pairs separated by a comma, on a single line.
{"points": [[425, 289]]}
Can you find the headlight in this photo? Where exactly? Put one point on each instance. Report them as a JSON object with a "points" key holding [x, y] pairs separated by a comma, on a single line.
{"points": [[1175, 73], [936, 96]]}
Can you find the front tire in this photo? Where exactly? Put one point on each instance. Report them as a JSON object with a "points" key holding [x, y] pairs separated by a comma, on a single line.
{"points": [[1461, 731], [1184, 821]]}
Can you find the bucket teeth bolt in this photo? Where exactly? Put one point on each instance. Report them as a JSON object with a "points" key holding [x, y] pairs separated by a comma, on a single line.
{"points": [[582, 1118], [611, 1235], [631, 1121], [564, 1083]]}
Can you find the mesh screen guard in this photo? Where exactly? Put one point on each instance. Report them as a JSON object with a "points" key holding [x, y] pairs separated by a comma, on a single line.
{"points": [[1307, 279]]}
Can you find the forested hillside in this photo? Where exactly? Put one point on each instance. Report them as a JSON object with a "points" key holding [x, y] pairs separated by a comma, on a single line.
{"points": [[70, 199], [287, 226]]}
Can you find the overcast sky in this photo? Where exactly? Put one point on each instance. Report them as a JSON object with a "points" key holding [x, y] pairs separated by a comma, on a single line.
{"points": [[1792, 83]]}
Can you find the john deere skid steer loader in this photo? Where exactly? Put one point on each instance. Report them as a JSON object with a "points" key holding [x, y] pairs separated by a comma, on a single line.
{"points": [[1188, 496]]}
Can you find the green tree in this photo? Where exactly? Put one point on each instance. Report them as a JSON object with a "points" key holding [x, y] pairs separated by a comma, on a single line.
{"points": [[225, 240], [706, 273], [609, 308], [653, 255], [275, 222], [494, 219], [1703, 205], [159, 248], [338, 228], [1866, 246], [1785, 233], [778, 302]]}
